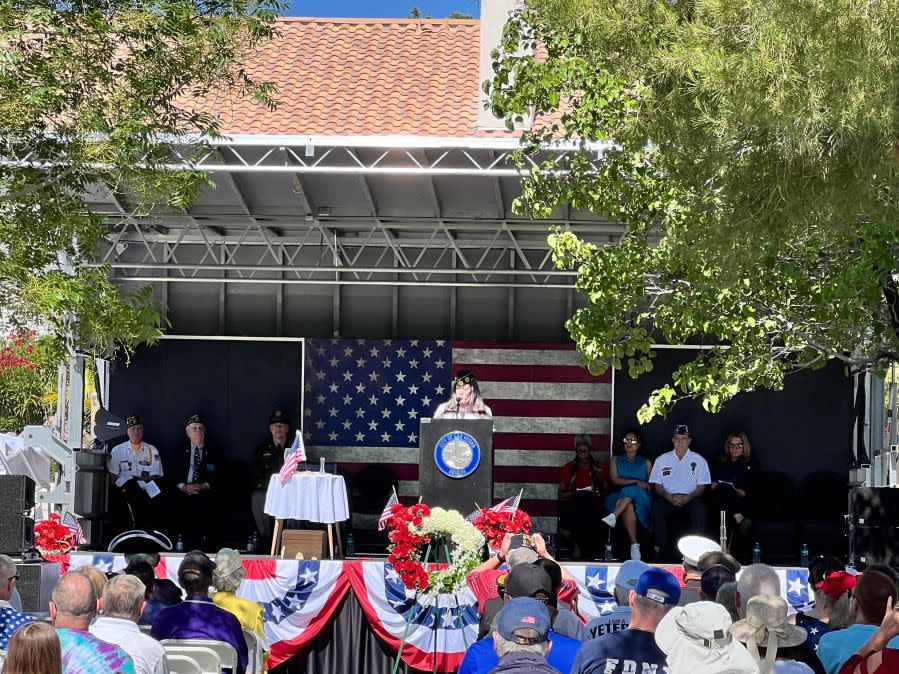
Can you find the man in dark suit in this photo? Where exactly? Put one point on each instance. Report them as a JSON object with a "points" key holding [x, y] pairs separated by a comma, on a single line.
{"points": [[267, 460], [195, 477]]}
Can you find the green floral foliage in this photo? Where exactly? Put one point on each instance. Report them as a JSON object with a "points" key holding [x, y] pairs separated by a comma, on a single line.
{"points": [[754, 169], [94, 95]]}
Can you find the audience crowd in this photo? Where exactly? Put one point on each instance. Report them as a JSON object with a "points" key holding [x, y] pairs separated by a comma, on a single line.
{"points": [[713, 616], [96, 620]]}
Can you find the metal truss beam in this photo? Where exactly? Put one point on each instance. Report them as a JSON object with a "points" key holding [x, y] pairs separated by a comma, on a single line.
{"points": [[494, 254]]}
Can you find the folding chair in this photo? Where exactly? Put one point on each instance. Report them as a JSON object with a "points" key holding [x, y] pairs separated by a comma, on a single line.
{"points": [[181, 664], [256, 649], [225, 651], [206, 659]]}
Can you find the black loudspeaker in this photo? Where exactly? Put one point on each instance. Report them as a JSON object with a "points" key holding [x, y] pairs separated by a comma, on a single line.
{"points": [[874, 545], [16, 533], [874, 507], [16, 493], [35, 585]]}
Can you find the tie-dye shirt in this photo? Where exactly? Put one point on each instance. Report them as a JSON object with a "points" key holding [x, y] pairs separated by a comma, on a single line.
{"points": [[10, 621], [83, 653]]}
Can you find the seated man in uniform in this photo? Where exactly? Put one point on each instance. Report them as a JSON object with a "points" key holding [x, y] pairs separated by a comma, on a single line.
{"points": [[135, 471], [267, 460], [679, 478], [195, 489]]}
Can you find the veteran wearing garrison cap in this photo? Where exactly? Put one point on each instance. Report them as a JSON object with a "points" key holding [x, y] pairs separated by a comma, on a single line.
{"points": [[267, 460], [679, 478], [465, 400], [135, 471], [196, 480]]}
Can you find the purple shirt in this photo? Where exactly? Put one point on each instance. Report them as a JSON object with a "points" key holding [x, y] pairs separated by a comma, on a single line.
{"points": [[198, 618]]}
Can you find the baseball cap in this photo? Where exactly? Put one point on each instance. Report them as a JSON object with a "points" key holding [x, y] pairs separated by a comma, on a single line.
{"points": [[713, 578], [836, 584], [526, 580], [523, 613], [629, 572], [196, 561], [659, 585]]}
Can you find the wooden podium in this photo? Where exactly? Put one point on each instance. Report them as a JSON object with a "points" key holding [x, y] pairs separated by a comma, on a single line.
{"points": [[455, 465]]}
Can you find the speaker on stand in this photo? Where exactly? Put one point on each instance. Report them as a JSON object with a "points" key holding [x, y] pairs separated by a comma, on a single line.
{"points": [[873, 530], [16, 502]]}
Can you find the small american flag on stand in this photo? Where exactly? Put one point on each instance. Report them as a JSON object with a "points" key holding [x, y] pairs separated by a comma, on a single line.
{"points": [[510, 505], [72, 523], [386, 514], [295, 454]]}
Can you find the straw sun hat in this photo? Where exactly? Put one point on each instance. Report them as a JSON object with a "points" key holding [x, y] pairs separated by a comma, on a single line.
{"points": [[766, 625]]}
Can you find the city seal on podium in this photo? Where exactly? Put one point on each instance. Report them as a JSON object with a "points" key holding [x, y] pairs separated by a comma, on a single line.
{"points": [[457, 454]]}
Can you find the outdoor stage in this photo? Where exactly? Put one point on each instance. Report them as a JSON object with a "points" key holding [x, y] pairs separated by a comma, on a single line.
{"points": [[311, 608]]}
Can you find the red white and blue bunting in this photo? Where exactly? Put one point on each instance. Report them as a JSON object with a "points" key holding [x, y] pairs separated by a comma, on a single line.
{"points": [[299, 598]]}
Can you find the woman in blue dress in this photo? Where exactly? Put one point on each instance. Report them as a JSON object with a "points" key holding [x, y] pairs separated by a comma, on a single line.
{"points": [[630, 471]]}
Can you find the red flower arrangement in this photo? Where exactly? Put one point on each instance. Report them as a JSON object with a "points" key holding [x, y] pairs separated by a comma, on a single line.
{"points": [[495, 525], [52, 537], [404, 544]]}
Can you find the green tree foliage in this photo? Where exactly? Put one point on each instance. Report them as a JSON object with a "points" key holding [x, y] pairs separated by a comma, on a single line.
{"points": [[96, 94], [753, 166]]}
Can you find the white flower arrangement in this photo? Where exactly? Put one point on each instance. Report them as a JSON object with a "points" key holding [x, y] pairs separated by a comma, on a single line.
{"points": [[465, 554]]}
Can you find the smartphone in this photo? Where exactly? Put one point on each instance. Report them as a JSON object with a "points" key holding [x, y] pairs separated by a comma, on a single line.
{"points": [[521, 541]]}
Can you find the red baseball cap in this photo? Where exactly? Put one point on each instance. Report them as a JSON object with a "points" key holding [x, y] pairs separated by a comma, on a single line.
{"points": [[836, 584]]}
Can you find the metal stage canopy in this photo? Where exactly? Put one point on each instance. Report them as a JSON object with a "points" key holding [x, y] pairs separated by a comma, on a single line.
{"points": [[353, 236]]}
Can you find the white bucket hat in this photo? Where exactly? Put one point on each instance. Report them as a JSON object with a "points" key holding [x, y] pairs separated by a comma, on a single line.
{"points": [[766, 625], [697, 640]]}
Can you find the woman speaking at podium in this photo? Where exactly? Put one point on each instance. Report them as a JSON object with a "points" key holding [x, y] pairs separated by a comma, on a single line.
{"points": [[465, 400]]}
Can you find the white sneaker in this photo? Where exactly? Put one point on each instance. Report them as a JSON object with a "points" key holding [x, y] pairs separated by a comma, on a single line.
{"points": [[635, 551], [610, 519]]}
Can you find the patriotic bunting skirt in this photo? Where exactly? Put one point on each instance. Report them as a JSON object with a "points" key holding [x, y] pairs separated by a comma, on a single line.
{"points": [[300, 597]]}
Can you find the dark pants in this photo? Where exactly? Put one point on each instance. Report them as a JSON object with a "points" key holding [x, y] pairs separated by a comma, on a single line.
{"points": [[145, 513], [197, 521], [581, 516], [663, 513]]}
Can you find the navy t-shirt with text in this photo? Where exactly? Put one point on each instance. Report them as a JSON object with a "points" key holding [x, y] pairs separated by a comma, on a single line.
{"points": [[630, 651]]}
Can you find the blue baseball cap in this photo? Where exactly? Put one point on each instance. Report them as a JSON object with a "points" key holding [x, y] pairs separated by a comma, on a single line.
{"points": [[659, 585], [629, 572], [523, 613]]}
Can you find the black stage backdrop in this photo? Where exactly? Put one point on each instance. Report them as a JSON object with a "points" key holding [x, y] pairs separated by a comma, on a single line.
{"points": [[806, 427], [234, 385]]}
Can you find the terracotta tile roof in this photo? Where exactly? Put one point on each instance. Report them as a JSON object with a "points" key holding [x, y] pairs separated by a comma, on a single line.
{"points": [[366, 77]]}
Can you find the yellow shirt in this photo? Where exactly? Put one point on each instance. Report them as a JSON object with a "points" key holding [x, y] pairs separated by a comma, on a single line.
{"points": [[249, 613]]}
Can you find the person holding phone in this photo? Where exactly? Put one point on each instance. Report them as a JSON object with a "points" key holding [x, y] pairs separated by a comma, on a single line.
{"points": [[582, 483]]}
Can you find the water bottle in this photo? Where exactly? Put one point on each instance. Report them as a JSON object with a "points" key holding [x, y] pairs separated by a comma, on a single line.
{"points": [[803, 562], [350, 546], [756, 553], [179, 544], [607, 556], [251, 543]]}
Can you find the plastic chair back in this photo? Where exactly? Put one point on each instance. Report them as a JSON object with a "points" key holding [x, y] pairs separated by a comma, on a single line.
{"points": [[207, 659], [182, 664], [225, 651], [256, 648]]}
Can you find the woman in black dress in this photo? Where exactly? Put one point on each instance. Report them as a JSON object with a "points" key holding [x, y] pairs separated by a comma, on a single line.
{"points": [[732, 482]]}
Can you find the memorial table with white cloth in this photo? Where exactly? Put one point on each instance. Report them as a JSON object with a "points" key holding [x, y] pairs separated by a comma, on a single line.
{"points": [[315, 497]]}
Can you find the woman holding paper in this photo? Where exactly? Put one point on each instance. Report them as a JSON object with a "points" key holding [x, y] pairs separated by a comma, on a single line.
{"points": [[731, 486], [582, 483]]}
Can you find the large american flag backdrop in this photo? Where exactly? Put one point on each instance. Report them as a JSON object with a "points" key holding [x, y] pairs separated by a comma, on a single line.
{"points": [[363, 400]]}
